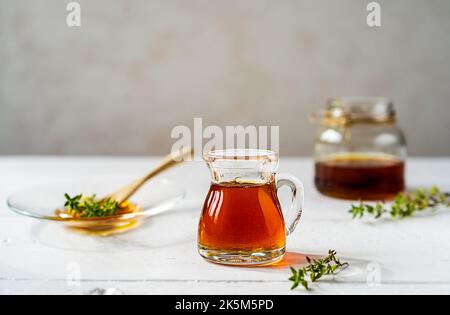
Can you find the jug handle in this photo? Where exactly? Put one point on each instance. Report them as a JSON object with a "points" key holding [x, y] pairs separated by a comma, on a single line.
{"points": [[293, 215]]}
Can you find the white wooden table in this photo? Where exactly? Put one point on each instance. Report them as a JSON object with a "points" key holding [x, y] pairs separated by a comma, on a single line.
{"points": [[160, 257]]}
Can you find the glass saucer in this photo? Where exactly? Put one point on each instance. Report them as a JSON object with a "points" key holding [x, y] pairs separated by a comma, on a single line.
{"points": [[42, 202]]}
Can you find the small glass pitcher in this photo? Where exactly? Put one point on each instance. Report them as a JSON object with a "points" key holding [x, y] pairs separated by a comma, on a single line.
{"points": [[242, 222]]}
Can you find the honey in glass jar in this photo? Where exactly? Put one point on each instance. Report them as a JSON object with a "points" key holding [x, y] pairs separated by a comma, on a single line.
{"points": [[360, 176], [360, 152]]}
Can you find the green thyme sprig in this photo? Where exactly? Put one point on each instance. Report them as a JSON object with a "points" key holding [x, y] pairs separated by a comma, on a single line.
{"points": [[405, 204], [316, 269], [88, 207], [72, 203]]}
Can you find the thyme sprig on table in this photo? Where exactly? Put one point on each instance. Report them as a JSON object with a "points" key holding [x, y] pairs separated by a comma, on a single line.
{"points": [[405, 204], [88, 207], [316, 269]]}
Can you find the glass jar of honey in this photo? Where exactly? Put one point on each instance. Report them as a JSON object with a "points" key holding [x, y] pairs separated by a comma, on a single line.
{"points": [[360, 151]]}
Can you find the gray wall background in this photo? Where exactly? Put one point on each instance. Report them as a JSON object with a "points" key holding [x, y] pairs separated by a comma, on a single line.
{"points": [[137, 68]]}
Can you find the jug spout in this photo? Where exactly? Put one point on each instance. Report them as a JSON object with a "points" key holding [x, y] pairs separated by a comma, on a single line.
{"points": [[242, 166], [242, 221]]}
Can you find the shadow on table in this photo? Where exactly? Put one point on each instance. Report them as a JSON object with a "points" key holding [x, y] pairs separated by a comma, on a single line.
{"points": [[358, 270], [173, 228], [290, 259]]}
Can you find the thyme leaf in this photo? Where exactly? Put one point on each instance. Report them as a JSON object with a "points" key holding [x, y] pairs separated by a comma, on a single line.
{"points": [[88, 207], [316, 269], [404, 205]]}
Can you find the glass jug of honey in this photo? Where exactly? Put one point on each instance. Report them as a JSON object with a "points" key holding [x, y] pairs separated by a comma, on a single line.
{"points": [[242, 222], [360, 152]]}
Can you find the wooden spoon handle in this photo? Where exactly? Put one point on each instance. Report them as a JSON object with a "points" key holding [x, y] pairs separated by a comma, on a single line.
{"points": [[169, 161]]}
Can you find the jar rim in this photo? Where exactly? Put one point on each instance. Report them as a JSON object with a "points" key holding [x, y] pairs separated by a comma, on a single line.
{"points": [[362, 108], [344, 111]]}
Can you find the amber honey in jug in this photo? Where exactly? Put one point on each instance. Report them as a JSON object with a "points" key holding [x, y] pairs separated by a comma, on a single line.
{"points": [[242, 222], [242, 216]]}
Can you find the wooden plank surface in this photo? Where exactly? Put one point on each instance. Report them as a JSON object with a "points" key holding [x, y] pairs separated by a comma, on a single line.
{"points": [[410, 256]]}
